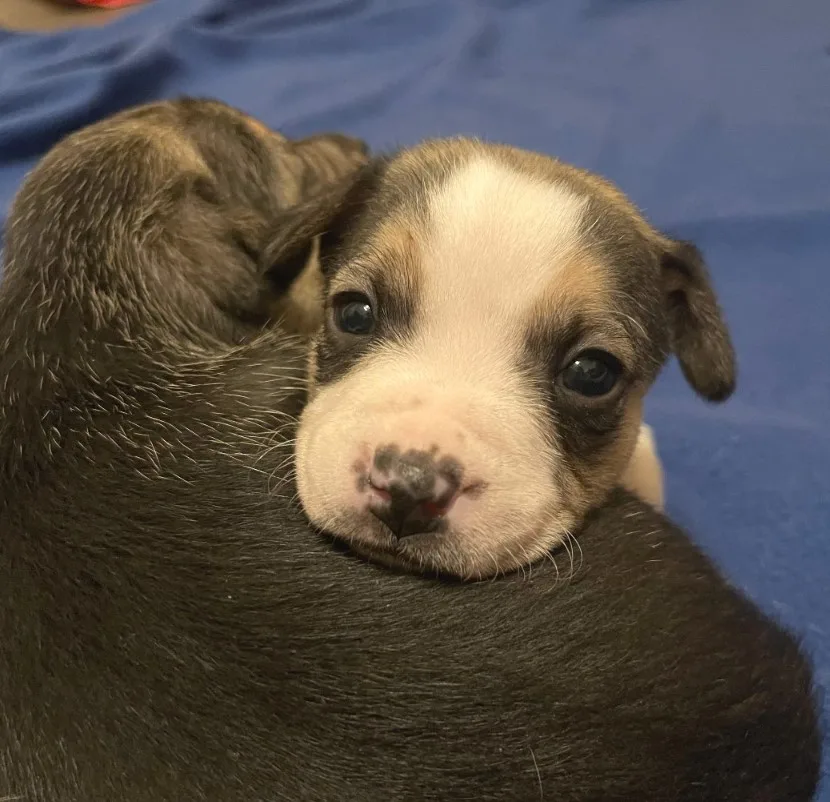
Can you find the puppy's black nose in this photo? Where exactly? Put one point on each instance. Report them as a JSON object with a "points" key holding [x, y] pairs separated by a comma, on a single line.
{"points": [[412, 491]]}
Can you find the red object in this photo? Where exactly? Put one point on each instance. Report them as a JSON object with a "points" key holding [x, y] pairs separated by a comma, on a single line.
{"points": [[109, 3]]}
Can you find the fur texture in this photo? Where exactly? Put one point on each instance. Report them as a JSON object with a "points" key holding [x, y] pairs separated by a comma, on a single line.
{"points": [[171, 628]]}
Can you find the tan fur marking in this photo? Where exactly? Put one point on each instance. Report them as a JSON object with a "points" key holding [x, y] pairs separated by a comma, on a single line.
{"points": [[580, 289], [581, 283], [394, 252], [300, 311]]}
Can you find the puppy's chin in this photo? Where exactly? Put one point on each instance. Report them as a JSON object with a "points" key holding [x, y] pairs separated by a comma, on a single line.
{"points": [[450, 553]]}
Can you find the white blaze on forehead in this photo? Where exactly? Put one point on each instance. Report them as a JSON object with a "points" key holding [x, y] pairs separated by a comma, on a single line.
{"points": [[495, 241]]}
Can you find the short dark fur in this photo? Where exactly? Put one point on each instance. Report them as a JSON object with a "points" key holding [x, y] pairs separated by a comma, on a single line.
{"points": [[699, 337], [585, 426], [172, 631]]}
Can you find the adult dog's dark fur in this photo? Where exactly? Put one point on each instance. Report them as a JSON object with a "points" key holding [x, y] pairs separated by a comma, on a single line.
{"points": [[172, 630]]}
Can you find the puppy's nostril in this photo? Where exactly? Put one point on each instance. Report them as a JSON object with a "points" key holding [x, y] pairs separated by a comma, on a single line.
{"points": [[411, 495], [379, 485], [406, 514]]}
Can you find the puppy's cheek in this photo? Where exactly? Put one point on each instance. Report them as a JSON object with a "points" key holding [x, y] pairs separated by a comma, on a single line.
{"points": [[332, 455], [512, 528], [626, 443], [337, 362], [326, 482]]}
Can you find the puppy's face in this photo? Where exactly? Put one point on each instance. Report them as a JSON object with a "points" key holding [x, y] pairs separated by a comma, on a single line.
{"points": [[493, 320]]}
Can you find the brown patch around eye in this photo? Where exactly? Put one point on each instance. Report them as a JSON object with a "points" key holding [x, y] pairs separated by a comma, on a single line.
{"points": [[594, 465], [385, 270], [389, 265], [393, 248]]}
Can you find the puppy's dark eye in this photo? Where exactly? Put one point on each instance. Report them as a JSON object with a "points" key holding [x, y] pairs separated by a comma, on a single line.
{"points": [[592, 374], [353, 314]]}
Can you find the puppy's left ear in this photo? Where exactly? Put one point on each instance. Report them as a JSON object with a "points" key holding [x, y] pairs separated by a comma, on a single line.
{"points": [[700, 338]]}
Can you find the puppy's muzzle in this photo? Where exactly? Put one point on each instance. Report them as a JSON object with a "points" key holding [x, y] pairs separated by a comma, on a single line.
{"points": [[411, 492]]}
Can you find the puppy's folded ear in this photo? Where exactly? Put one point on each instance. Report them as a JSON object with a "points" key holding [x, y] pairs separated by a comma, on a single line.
{"points": [[327, 214], [289, 241], [700, 338], [326, 159]]}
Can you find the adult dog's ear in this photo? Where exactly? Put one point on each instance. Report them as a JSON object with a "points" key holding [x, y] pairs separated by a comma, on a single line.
{"points": [[700, 338], [289, 243]]}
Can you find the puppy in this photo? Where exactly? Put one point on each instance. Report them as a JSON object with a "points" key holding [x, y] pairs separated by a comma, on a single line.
{"points": [[493, 321], [171, 628]]}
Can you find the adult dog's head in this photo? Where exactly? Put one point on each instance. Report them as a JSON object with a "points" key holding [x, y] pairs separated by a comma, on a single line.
{"points": [[493, 320]]}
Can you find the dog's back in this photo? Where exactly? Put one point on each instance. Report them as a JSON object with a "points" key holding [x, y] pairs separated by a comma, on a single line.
{"points": [[172, 630]]}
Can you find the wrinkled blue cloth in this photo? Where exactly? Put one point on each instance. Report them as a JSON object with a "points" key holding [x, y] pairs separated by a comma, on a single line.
{"points": [[713, 115]]}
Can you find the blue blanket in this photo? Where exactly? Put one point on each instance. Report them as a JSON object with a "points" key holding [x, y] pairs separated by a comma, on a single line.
{"points": [[714, 115]]}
